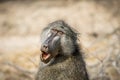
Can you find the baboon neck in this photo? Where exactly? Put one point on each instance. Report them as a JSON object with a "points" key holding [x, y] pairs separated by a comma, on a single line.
{"points": [[59, 58]]}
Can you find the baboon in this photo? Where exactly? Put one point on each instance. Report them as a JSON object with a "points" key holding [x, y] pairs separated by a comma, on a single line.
{"points": [[60, 58]]}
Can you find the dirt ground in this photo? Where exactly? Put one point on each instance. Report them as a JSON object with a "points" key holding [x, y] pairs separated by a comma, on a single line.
{"points": [[21, 23]]}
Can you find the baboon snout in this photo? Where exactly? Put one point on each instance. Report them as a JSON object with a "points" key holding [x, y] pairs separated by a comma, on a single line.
{"points": [[44, 47]]}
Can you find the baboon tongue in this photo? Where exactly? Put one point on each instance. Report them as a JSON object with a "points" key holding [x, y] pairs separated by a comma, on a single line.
{"points": [[45, 56]]}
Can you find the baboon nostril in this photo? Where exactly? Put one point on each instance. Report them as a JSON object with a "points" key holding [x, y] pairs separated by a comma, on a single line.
{"points": [[45, 46]]}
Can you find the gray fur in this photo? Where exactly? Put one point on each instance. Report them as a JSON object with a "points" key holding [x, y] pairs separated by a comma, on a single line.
{"points": [[68, 64]]}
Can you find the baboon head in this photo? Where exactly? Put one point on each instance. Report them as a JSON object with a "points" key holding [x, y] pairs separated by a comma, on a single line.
{"points": [[57, 38]]}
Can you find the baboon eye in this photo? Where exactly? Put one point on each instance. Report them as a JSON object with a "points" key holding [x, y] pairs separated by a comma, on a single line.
{"points": [[54, 30], [60, 32]]}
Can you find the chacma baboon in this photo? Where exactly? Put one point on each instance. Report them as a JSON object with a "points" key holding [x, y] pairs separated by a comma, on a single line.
{"points": [[60, 56]]}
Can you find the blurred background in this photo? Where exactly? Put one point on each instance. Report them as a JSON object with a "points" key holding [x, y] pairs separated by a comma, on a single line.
{"points": [[21, 22]]}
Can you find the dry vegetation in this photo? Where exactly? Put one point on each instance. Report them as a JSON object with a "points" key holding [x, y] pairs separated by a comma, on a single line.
{"points": [[21, 22]]}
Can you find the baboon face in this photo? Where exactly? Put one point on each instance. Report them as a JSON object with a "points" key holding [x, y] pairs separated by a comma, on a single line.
{"points": [[57, 38]]}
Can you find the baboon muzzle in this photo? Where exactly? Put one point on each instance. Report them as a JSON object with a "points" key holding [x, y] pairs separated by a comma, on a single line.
{"points": [[50, 47]]}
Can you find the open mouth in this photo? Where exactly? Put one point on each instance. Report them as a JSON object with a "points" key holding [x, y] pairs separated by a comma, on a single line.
{"points": [[45, 56]]}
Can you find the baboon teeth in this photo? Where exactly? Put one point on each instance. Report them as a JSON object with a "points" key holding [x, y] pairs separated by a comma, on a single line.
{"points": [[45, 56]]}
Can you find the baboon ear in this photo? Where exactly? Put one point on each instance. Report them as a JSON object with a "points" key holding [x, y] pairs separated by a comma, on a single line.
{"points": [[67, 45]]}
